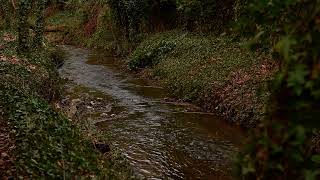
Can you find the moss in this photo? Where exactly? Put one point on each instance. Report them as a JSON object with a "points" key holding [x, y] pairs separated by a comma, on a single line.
{"points": [[215, 72]]}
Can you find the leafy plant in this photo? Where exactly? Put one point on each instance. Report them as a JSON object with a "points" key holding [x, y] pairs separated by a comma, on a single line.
{"points": [[150, 56], [207, 15], [292, 29]]}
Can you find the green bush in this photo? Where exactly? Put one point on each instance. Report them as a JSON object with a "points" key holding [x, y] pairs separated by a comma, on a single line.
{"points": [[134, 17], [291, 29], [57, 55], [144, 15], [150, 53], [206, 15]]}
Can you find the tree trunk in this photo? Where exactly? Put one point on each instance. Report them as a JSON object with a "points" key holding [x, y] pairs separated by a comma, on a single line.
{"points": [[40, 23], [23, 27], [5, 9]]}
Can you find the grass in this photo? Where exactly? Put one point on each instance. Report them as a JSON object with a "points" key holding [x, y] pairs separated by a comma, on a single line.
{"points": [[214, 72], [48, 145]]}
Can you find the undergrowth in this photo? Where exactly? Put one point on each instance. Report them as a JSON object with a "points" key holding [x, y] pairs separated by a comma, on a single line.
{"points": [[86, 26], [212, 71], [48, 145]]}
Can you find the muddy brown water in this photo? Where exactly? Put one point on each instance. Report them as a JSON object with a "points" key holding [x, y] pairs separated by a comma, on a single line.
{"points": [[161, 140]]}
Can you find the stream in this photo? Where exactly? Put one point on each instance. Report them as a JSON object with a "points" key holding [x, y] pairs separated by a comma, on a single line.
{"points": [[161, 139]]}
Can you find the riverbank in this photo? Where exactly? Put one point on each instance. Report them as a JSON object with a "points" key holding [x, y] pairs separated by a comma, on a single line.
{"points": [[41, 140], [160, 139], [215, 72]]}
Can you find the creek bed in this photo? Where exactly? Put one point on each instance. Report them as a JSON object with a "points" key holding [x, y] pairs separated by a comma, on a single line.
{"points": [[161, 139]]}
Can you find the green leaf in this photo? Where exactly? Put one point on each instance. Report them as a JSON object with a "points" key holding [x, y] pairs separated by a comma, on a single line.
{"points": [[316, 159], [247, 170], [283, 47], [297, 78], [311, 175]]}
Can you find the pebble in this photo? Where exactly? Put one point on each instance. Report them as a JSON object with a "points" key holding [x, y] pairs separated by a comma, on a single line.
{"points": [[104, 115], [108, 108]]}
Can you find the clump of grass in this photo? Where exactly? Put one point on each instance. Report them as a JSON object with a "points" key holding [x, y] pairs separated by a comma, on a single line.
{"points": [[212, 71]]}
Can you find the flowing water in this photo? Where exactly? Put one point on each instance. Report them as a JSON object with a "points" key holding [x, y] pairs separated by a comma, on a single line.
{"points": [[161, 140]]}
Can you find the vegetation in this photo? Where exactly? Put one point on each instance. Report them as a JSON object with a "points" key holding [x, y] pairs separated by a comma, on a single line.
{"points": [[293, 34], [5, 10], [280, 146], [256, 62], [46, 143], [28, 86], [202, 70]]}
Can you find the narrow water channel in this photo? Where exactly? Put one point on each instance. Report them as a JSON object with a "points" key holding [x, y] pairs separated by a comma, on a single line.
{"points": [[161, 140]]}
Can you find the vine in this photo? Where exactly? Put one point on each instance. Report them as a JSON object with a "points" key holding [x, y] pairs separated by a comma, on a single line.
{"points": [[23, 26], [39, 29], [5, 8]]}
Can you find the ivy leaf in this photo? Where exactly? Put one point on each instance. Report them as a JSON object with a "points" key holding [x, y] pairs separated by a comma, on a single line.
{"points": [[316, 159], [283, 47], [300, 134], [311, 175], [297, 78], [297, 157], [249, 169]]}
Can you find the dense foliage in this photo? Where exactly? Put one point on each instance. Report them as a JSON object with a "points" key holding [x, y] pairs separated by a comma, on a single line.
{"points": [[136, 16], [39, 29], [291, 29], [23, 26], [207, 15], [158, 15], [6, 10], [24, 8]]}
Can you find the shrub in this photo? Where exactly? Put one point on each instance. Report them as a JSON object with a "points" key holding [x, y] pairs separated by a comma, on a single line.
{"points": [[207, 15], [280, 148], [150, 54], [57, 55]]}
